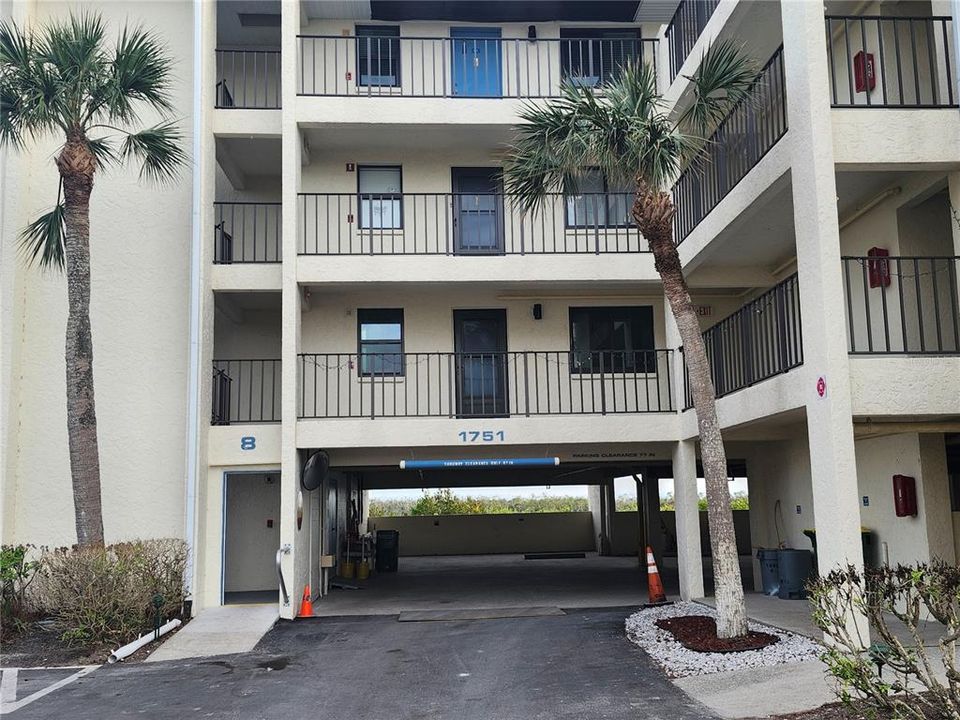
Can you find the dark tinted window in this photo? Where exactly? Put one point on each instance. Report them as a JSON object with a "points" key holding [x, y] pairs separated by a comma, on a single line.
{"points": [[378, 55], [380, 339], [592, 56], [618, 339]]}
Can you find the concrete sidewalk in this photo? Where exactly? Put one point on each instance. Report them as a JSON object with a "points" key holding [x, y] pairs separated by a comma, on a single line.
{"points": [[221, 630]]}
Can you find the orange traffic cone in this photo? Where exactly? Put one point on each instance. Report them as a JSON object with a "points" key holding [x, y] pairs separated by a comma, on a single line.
{"points": [[306, 604], [654, 584]]}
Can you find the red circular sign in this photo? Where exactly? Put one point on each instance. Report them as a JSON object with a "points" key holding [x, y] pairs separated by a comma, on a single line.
{"points": [[821, 386]]}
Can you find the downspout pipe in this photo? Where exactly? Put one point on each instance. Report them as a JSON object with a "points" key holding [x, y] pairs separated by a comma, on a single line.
{"points": [[130, 648], [193, 374]]}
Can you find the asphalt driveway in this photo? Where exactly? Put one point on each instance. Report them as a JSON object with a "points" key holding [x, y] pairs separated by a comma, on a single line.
{"points": [[578, 665]]}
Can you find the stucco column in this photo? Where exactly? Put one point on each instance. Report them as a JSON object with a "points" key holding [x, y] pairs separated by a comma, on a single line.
{"points": [[202, 577], [296, 563], [687, 514], [825, 373], [934, 491]]}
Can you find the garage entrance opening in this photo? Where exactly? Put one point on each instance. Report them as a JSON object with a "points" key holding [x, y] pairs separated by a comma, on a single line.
{"points": [[251, 536], [565, 535]]}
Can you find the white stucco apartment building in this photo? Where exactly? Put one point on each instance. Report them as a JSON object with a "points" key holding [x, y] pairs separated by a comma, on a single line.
{"points": [[339, 270]]}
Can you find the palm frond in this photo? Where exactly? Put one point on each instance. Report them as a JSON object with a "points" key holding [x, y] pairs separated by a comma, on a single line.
{"points": [[74, 48], [724, 78], [102, 151], [30, 99], [140, 71], [158, 149], [41, 242]]}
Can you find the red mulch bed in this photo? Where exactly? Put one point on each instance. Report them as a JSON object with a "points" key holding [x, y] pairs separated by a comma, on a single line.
{"points": [[699, 633]]}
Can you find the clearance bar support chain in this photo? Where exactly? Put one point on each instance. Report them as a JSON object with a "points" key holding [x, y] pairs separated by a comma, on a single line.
{"points": [[478, 463]]}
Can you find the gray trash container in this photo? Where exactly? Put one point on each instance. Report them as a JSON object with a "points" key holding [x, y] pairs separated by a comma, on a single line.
{"points": [[796, 567], [769, 570]]}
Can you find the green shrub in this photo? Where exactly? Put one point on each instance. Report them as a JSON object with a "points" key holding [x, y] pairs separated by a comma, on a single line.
{"points": [[896, 603], [17, 573], [106, 595]]}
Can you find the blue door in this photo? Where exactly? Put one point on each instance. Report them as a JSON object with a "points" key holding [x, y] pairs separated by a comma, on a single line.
{"points": [[476, 62]]}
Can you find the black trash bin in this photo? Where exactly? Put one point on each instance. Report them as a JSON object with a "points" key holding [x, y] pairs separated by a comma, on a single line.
{"points": [[388, 550], [769, 570], [795, 568]]}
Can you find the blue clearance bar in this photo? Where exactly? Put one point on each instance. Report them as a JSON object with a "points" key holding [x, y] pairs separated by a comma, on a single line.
{"points": [[478, 463]]}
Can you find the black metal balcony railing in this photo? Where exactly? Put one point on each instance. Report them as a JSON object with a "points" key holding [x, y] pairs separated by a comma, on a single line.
{"points": [[466, 224], [685, 27], [248, 79], [245, 391], [246, 232], [473, 67], [902, 305], [758, 341], [499, 384], [890, 62], [748, 133]]}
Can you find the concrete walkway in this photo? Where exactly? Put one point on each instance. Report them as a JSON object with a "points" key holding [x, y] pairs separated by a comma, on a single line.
{"points": [[219, 631]]}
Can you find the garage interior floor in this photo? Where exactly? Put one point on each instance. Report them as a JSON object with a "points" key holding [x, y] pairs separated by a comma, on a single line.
{"points": [[497, 581]]}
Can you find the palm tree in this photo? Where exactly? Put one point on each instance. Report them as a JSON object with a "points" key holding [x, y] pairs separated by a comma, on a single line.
{"points": [[624, 130], [65, 80]]}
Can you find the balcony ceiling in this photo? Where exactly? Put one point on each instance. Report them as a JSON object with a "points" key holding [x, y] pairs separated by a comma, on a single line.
{"points": [[248, 23], [506, 10]]}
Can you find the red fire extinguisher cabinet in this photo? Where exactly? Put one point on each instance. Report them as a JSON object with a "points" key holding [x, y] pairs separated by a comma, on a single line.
{"points": [[904, 495]]}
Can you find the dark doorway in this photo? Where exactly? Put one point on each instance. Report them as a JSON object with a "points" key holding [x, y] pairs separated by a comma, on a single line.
{"points": [[477, 211], [480, 342]]}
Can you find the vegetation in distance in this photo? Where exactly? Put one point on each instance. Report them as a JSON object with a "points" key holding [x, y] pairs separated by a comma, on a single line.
{"points": [[444, 502]]}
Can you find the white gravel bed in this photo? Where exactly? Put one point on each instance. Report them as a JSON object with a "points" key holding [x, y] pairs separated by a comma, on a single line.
{"points": [[678, 661]]}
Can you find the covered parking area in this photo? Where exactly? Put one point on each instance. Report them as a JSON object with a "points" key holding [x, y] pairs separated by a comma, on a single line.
{"points": [[507, 562]]}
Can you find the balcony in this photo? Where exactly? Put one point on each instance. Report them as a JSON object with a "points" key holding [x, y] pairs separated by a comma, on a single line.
{"points": [[902, 305], [465, 224], [246, 232], [891, 62], [460, 67], [248, 79], [757, 342], [245, 391], [685, 27], [483, 385], [741, 141]]}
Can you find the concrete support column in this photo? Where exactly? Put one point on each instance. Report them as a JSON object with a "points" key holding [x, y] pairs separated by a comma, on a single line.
{"points": [[687, 513], [825, 373], [296, 563], [199, 493], [934, 500]]}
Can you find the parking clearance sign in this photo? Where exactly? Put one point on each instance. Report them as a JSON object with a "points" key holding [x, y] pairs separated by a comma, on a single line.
{"points": [[473, 463]]}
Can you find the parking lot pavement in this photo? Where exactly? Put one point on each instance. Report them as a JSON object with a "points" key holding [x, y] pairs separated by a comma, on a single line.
{"points": [[578, 665]]}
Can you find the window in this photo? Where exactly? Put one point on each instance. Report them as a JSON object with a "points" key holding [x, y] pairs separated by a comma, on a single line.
{"points": [[612, 339], [380, 199], [380, 340], [597, 203], [592, 56], [378, 55]]}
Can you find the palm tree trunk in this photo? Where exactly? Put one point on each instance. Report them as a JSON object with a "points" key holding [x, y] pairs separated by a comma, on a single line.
{"points": [[76, 165], [653, 212]]}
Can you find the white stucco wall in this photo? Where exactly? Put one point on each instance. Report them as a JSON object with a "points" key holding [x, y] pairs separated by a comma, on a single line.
{"points": [[140, 238]]}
